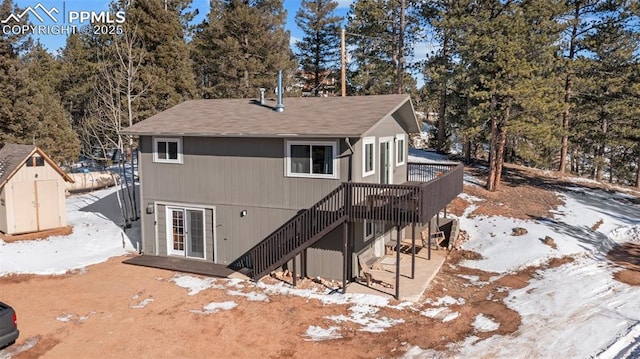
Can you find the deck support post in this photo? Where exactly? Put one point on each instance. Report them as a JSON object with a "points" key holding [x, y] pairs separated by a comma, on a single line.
{"points": [[345, 256], [303, 263], [295, 274], [413, 250], [398, 261], [429, 240]]}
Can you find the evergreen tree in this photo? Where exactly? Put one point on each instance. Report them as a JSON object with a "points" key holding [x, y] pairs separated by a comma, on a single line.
{"points": [[609, 100], [79, 63], [53, 131], [30, 110], [508, 51], [381, 32], [319, 49], [167, 66], [240, 48]]}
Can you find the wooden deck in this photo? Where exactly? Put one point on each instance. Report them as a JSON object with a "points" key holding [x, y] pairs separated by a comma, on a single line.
{"points": [[182, 265]]}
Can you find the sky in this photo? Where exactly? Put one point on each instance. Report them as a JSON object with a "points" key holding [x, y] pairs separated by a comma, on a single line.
{"points": [[576, 310], [56, 42]]}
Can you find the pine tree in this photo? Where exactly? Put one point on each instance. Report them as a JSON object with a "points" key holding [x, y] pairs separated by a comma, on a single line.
{"points": [[240, 48], [381, 32], [167, 66], [319, 49], [610, 99], [79, 64]]}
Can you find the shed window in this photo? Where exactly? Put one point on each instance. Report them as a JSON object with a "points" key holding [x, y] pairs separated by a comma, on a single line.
{"points": [[311, 159], [167, 150], [35, 161]]}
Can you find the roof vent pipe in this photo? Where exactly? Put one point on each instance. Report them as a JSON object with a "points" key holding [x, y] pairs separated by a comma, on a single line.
{"points": [[279, 105], [262, 90]]}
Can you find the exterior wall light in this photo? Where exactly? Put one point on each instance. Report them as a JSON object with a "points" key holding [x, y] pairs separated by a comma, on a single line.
{"points": [[243, 213]]}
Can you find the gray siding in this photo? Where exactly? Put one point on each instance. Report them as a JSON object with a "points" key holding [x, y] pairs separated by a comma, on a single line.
{"points": [[236, 174], [230, 174]]}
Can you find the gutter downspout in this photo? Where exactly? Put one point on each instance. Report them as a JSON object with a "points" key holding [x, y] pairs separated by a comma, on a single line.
{"points": [[346, 140]]}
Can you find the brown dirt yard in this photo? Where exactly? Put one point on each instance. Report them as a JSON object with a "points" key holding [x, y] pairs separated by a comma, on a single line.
{"points": [[114, 310]]}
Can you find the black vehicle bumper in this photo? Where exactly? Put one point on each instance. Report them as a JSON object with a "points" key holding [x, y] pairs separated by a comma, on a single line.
{"points": [[9, 338]]}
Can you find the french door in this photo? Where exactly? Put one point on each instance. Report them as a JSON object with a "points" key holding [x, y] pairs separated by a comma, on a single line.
{"points": [[185, 232]]}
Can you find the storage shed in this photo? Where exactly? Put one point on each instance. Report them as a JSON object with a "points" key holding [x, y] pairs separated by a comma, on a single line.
{"points": [[32, 190]]}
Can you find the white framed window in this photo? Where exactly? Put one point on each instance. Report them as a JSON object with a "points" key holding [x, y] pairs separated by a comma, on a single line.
{"points": [[167, 150], [369, 229], [315, 159], [368, 156], [401, 149]]}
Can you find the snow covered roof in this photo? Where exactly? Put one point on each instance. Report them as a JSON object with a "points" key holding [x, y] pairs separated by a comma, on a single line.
{"points": [[333, 117]]}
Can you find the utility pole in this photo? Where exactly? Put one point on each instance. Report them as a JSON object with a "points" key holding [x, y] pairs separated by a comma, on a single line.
{"points": [[401, 48], [343, 62]]}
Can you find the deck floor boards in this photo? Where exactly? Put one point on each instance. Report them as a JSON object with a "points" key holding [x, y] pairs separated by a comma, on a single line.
{"points": [[181, 265]]}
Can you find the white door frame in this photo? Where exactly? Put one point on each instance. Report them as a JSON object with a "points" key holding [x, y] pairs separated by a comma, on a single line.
{"points": [[169, 209]]}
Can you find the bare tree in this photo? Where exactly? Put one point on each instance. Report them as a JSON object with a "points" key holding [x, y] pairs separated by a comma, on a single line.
{"points": [[119, 84]]}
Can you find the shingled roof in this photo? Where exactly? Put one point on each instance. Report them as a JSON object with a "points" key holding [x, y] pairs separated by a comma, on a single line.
{"points": [[13, 156], [303, 116]]}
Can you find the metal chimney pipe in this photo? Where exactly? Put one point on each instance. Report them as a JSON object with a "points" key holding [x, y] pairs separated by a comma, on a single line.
{"points": [[279, 105], [262, 90]]}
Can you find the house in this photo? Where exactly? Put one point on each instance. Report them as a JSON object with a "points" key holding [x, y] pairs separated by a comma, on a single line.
{"points": [[235, 183], [32, 190]]}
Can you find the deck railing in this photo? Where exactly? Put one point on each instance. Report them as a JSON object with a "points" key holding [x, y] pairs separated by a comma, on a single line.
{"points": [[430, 188], [441, 183]]}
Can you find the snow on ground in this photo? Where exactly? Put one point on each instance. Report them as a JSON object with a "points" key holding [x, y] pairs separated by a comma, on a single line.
{"points": [[95, 238], [572, 311]]}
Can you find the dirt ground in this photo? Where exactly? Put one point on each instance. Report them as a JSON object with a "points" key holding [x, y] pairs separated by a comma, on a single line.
{"points": [[92, 312]]}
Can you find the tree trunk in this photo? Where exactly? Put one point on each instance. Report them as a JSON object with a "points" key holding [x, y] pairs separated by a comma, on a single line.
{"points": [[501, 146], [601, 150], [467, 150], [638, 172], [568, 90], [400, 68], [443, 97], [565, 125], [491, 180]]}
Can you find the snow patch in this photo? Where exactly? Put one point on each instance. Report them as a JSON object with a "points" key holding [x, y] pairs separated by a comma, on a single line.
{"points": [[251, 296], [625, 234], [195, 285], [65, 318], [215, 307], [485, 324], [446, 300], [316, 333], [143, 303]]}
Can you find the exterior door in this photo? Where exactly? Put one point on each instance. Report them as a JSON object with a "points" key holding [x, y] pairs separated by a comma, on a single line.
{"points": [[48, 207], [35, 206], [185, 232], [386, 174], [24, 202]]}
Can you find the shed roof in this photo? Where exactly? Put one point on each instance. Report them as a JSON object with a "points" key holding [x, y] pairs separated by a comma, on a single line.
{"points": [[303, 116], [13, 156]]}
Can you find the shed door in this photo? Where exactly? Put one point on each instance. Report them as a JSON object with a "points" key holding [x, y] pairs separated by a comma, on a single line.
{"points": [[48, 210], [35, 206], [24, 207]]}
